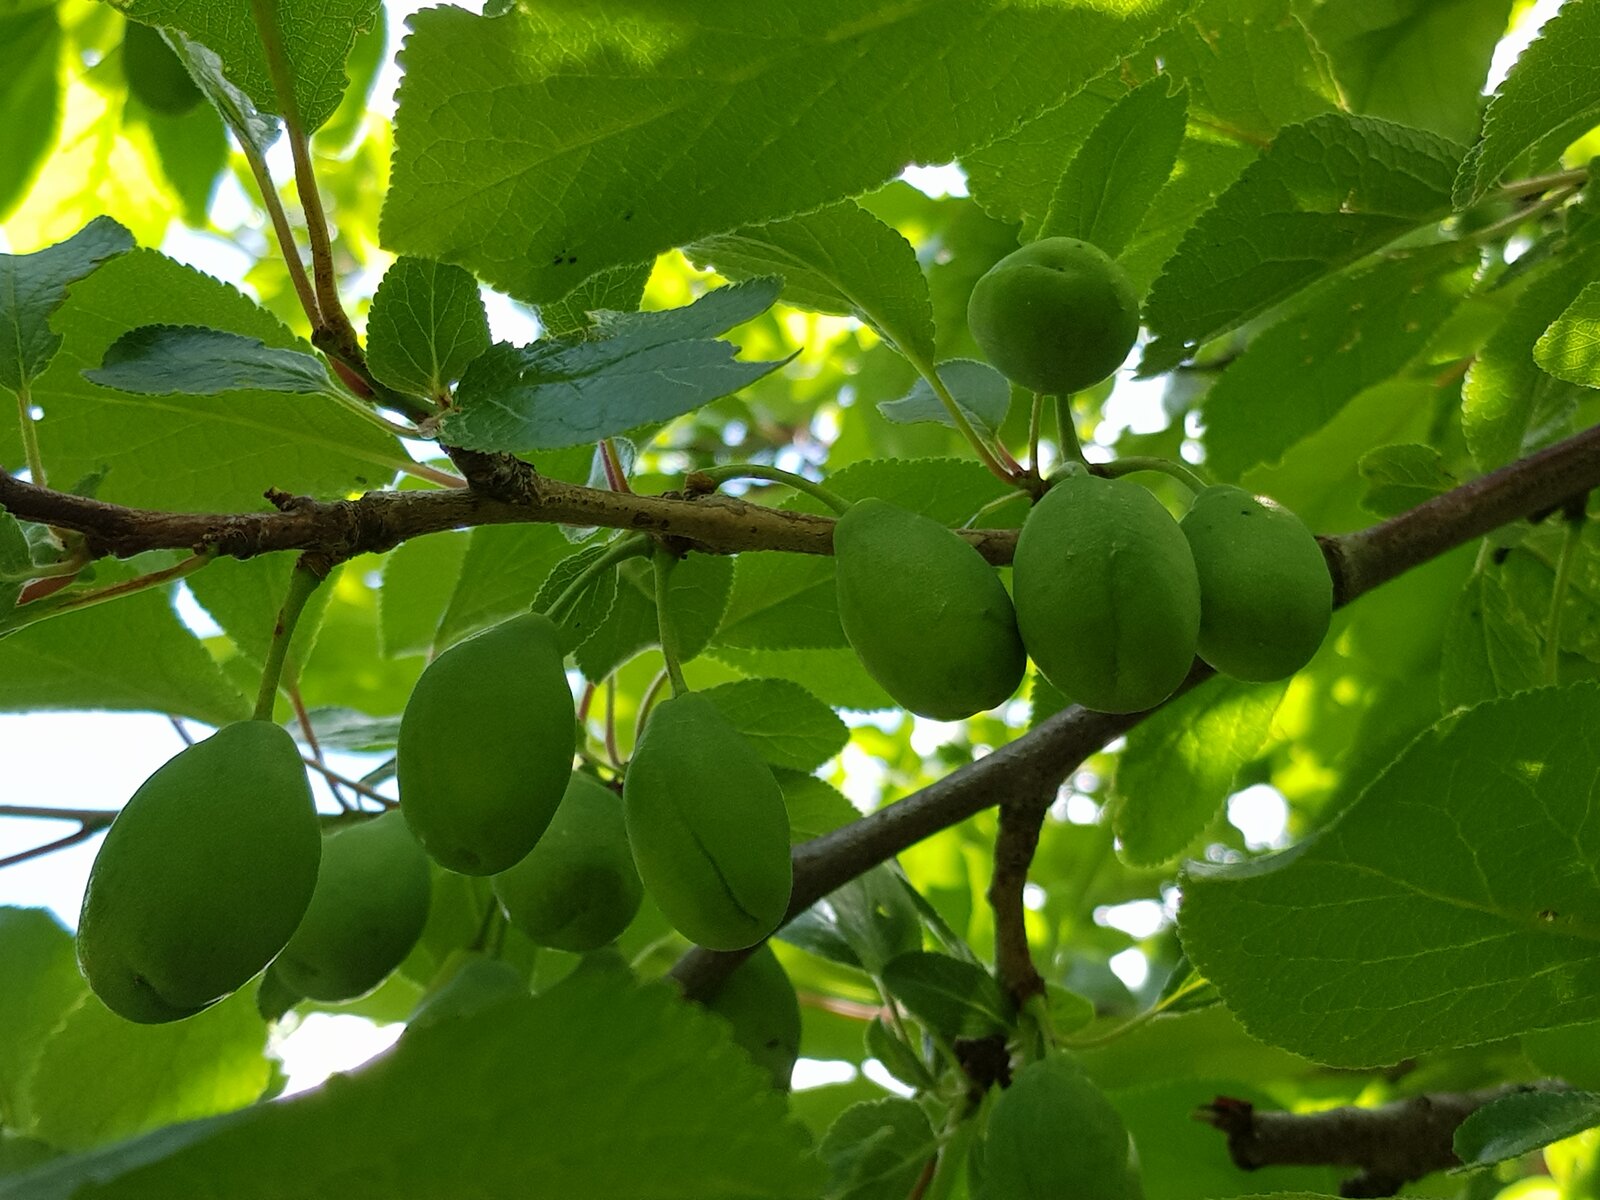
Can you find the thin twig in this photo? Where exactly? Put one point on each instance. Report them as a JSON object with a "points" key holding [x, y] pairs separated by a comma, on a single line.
{"points": [[1021, 818]]}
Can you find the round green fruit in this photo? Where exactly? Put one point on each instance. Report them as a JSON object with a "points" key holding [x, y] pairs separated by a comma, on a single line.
{"points": [[367, 913], [155, 74], [1265, 592], [203, 876], [1107, 596], [760, 1003], [486, 745], [578, 888], [707, 825], [928, 617], [1056, 316], [1051, 1134]]}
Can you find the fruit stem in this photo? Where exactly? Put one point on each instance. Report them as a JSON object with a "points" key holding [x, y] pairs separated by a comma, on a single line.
{"points": [[620, 551], [30, 435], [959, 418], [1140, 462], [303, 580], [1558, 596], [1067, 432], [721, 475], [663, 562]]}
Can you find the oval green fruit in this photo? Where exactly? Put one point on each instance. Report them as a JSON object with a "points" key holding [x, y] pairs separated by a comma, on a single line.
{"points": [[1056, 316], [1053, 1134], [578, 888], [1265, 593], [367, 913], [203, 877], [1107, 596], [927, 616], [708, 827], [486, 745], [760, 1003]]}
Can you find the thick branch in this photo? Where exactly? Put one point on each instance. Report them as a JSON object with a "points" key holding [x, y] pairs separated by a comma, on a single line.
{"points": [[1021, 818], [1391, 1145], [1044, 756]]}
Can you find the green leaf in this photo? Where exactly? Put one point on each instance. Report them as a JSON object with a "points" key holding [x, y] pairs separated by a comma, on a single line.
{"points": [[1419, 62], [697, 593], [981, 393], [865, 924], [192, 149], [1182, 763], [427, 324], [501, 574], [876, 1149], [1357, 948], [316, 37], [1571, 1052], [100, 1077], [782, 601], [787, 725], [951, 997], [30, 102], [1326, 193], [253, 128], [542, 1074], [192, 360], [34, 286], [155, 74], [1522, 1122], [195, 453], [815, 806], [1505, 387], [642, 127], [587, 611], [1402, 477], [41, 983], [1489, 648], [839, 259], [245, 597], [1124, 162], [1550, 97], [635, 369], [1348, 336], [834, 675], [1570, 348], [899, 1059], [16, 559], [133, 655], [616, 289], [419, 579]]}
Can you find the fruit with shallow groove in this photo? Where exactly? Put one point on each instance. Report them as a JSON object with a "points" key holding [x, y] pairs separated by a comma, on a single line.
{"points": [[203, 877], [1107, 595], [1052, 1134], [707, 825], [927, 616], [1056, 316], [486, 745]]}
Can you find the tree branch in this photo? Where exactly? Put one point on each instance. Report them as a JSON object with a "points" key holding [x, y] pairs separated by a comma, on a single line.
{"points": [[1021, 818], [1045, 755], [1391, 1145]]}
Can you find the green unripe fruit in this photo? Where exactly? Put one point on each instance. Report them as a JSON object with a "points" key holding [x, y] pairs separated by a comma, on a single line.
{"points": [[154, 72], [1265, 592], [708, 827], [1107, 596], [203, 877], [1053, 1134], [486, 746], [1056, 316], [367, 913], [929, 619], [578, 888], [760, 1003]]}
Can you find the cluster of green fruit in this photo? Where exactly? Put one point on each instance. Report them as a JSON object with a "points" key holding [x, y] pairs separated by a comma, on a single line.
{"points": [[216, 867], [1112, 598]]}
